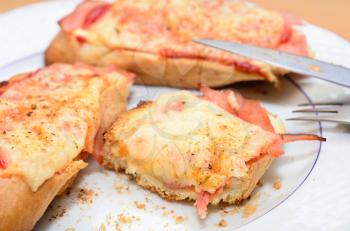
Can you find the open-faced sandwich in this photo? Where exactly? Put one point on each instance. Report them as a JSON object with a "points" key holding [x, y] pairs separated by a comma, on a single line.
{"points": [[154, 40], [209, 149], [50, 120]]}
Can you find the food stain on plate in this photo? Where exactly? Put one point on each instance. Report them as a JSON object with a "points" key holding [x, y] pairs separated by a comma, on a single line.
{"points": [[86, 195]]}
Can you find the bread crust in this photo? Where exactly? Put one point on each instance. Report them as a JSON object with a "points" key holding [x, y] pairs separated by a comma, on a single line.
{"points": [[153, 69], [242, 188], [20, 207]]}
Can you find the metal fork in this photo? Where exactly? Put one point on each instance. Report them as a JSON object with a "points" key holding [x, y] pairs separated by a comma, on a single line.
{"points": [[325, 111]]}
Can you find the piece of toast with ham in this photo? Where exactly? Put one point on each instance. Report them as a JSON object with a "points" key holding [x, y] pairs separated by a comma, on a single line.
{"points": [[208, 148], [50, 120], [154, 40]]}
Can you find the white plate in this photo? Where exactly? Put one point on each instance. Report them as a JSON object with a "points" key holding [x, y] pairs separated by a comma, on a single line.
{"points": [[315, 182]]}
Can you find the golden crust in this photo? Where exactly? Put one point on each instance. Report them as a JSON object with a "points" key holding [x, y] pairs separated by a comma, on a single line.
{"points": [[152, 69], [21, 208], [242, 188]]}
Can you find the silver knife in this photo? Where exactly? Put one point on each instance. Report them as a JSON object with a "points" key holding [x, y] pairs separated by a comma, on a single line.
{"points": [[298, 64]]}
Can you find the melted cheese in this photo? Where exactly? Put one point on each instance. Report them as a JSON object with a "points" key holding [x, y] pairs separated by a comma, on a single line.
{"points": [[194, 144], [48, 118], [168, 27]]}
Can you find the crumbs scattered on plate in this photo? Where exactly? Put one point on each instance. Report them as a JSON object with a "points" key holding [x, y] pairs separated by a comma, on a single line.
{"points": [[277, 185], [250, 206], [119, 222], [86, 195], [102, 227], [57, 211], [222, 223], [229, 211], [249, 210], [121, 187], [140, 205], [125, 220]]}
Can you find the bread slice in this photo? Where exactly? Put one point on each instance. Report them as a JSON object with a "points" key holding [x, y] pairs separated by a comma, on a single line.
{"points": [[162, 156], [152, 69], [160, 52], [29, 103]]}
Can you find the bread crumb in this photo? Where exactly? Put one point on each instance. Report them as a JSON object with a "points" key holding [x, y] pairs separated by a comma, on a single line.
{"points": [[70, 229], [127, 219], [109, 219], [86, 195], [59, 211], [232, 211], [124, 219], [102, 227], [314, 68], [139, 205], [165, 213], [222, 223], [248, 210], [277, 185], [179, 219], [120, 187], [260, 183], [68, 191]]}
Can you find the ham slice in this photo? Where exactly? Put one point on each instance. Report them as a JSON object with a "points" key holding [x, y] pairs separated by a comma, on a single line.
{"points": [[292, 41], [247, 109], [203, 200], [3, 159], [253, 112], [86, 14]]}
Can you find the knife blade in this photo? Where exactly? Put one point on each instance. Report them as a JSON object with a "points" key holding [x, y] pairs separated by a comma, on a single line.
{"points": [[295, 63]]}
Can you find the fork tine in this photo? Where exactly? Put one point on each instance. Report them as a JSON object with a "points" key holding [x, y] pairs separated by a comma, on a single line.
{"points": [[321, 110], [321, 104], [319, 119]]}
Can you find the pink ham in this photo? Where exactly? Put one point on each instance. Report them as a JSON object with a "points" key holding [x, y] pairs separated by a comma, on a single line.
{"points": [[291, 40], [203, 200], [86, 14], [248, 110], [3, 159], [252, 112]]}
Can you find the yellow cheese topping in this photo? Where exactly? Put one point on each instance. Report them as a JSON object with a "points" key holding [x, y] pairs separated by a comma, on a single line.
{"points": [[166, 28], [48, 118], [182, 141]]}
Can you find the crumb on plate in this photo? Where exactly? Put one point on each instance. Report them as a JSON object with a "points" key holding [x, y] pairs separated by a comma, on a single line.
{"points": [[277, 185], [249, 209], [102, 227], [222, 223], [58, 211], [179, 219], [228, 211], [86, 195], [140, 205]]}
